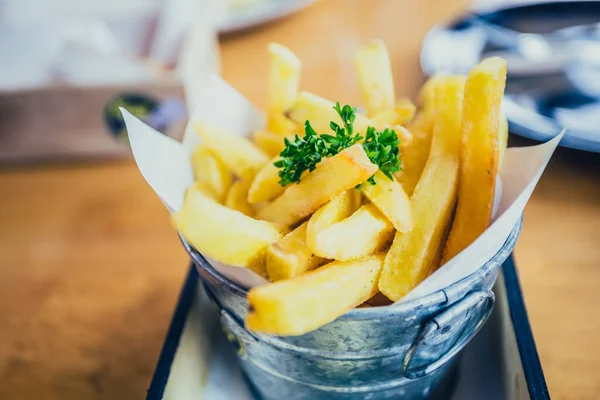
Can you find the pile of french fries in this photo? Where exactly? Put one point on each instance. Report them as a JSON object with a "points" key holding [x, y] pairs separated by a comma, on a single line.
{"points": [[334, 241]]}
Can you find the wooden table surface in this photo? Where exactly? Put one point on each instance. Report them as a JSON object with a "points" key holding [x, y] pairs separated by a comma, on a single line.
{"points": [[90, 267]]}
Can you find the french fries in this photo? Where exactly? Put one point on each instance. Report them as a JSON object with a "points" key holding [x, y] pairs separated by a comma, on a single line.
{"points": [[265, 186], [401, 114], [365, 232], [330, 238], [297, 306], [225, 234], [343, 171], [320, 112], [375, 77], [337, 209], [502, 137], [480, 155], [290, 256], [405, 111], [284, 80], [211, 172], [208, 192], [239, 154], [281, 125], [415, 157], [389, 197], [415, 254], [270, 143], [237, 198], [426, 96]]}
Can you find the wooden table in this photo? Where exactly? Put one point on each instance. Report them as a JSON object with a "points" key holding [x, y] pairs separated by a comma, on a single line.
{"points": [[90, 267]]}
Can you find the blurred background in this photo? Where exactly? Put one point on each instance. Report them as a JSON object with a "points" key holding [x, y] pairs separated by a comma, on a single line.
{"points": [[90, 267]]}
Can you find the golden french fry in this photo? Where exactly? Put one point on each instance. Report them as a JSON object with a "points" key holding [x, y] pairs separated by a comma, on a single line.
{"points": [[281, 125], [423, 121], [332, 176], [375, 76], [284, 80], [502, 137], [365, 232], [203, 187], [209, 170], [297, 306], [389, 197], [270, 143], [480, 154], [320, 112], [337, 209], [401, 114], [383, 119], [405, 111], [265, 186], [415, 254], [237, 198], [238, 153], [405, 136], [290, 257], [224, 234], [415, 155], [426, 96]]}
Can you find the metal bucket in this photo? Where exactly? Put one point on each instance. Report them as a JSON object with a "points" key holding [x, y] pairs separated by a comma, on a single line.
{"points": [[403, 351]]}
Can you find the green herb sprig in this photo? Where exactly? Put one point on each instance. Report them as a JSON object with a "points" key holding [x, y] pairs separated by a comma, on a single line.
{"points": [[382, 149], [303, 154]]}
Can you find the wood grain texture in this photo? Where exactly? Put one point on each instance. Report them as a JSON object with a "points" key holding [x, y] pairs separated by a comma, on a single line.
{"points": [[90, 267]]}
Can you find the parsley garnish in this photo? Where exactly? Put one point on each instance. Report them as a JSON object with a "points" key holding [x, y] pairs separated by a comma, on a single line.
{"points": [[303, 154], [382, 149]]}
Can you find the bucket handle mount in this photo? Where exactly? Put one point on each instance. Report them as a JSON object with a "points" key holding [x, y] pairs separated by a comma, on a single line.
{"points": [[437, 328]]}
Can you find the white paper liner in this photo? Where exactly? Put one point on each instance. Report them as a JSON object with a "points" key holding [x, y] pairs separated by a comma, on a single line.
{"points": [[165, 164]]}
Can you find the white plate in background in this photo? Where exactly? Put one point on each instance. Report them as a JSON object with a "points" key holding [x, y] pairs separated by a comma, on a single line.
{"points": [[244, 14]]}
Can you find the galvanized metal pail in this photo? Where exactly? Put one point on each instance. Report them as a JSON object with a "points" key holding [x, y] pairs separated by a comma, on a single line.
{"points": [[403, 351]]}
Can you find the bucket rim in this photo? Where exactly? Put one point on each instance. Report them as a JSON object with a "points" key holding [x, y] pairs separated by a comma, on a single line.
{"points": [[441, 296]]}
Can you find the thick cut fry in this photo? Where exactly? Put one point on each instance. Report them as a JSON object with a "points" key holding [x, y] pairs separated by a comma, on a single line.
{"points": [[320, 112], [375, 76], [384, 119], [270, 143], [226, 235], [365, 232], [502, 137], [239, 154], [284, 80], [296, 306], [421, 127], [415, 155], [337, 209], [401, 114], [415, 254], [237, 198], [405, 111], [290, 257], [332, 176], [203, 187], [426, 96], [389, 197], [405, 136], [265, 186], [211, 172], [480, 154], [281, 125]]}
